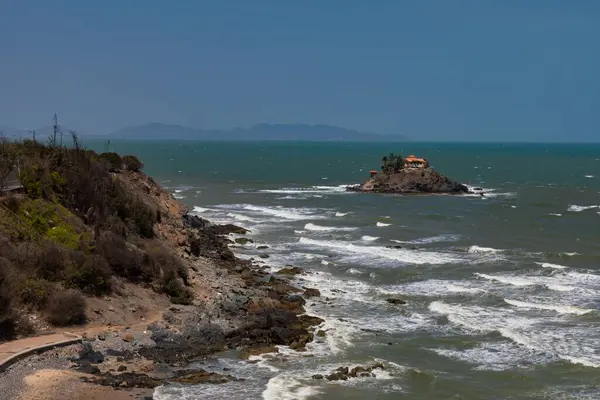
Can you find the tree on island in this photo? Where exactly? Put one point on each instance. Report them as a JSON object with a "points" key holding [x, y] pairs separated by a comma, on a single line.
{"points": [[392, 163]]}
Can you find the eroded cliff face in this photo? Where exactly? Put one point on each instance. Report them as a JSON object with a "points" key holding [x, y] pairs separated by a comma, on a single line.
{"points": [[412, 180]]}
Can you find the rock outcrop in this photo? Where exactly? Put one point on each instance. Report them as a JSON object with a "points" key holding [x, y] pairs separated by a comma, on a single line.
{"points": [[411, 180]]}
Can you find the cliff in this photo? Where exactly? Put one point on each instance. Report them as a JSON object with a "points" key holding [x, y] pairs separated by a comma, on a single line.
{"points": [[93, 244]]}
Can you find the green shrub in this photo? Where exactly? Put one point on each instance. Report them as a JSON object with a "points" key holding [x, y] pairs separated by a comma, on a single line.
{"points": [[177, 293], [89, 274], [132, 163], [66, 308], [114, 160], [8, 315], [64, 236], [35, 292]]}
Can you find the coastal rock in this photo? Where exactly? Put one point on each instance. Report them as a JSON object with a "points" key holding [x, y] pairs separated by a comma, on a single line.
{"points": [[201, 376], [262, 247], [243, 241], [128, 337], [344, 373], [395, 300], [310, 292], [290, 271]]}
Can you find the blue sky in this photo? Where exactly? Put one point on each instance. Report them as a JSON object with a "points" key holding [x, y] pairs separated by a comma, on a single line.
{"points": [[432, 70]]}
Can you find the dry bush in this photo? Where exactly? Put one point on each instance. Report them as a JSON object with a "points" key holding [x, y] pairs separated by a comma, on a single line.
{"points": [[66, 308]]}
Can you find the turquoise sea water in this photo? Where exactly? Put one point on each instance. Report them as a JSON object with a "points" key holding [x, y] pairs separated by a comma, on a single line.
{"points": [[503, 291]]}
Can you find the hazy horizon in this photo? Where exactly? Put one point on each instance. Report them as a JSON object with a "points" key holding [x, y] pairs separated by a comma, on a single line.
{"points": [[465, 71]]}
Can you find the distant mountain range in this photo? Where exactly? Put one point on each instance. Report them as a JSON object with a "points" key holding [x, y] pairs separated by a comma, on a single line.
{"points": [[257, 132], [296, 132]]}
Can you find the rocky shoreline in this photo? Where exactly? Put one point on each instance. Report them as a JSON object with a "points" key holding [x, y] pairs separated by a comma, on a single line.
{"points": [[248, 311]]}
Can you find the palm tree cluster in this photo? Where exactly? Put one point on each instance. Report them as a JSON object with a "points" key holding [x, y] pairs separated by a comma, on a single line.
{"points": [[392, 163]]}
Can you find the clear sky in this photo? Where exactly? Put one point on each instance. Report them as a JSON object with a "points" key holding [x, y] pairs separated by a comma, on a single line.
{"points": [[431, 70]]}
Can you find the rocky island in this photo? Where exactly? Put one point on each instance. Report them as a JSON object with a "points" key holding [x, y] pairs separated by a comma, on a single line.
{"points": [[408, 175]]}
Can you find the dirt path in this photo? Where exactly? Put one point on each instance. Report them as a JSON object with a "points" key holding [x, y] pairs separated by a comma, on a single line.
{"points": [[10, 351]]}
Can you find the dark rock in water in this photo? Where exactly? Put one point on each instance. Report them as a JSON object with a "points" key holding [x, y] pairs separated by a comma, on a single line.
{"points": [[226, 229], [290, 271], [264, 256], [257, 350], [395, 300], [394, 247], [321, 333], [243, 241], [337, 376], [317, 376], [310, 292], [262, 247], [343, 373], [201, 376], [411, 180]]}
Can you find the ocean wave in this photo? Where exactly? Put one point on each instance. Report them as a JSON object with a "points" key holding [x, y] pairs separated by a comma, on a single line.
{"points": [[431, 239], [555, 214], [197, 209], [561, 309], [549, 282], [478, 249], [382, 224], [487, 192], [354, 252], [549, 265], [589, 176], [319, 228], [311, 189], [286, 386], [570, 343], [369, 238], [432, 287], [340, 214], [576, 208]]}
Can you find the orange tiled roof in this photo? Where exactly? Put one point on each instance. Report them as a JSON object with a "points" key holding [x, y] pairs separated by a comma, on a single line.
{"points": [[412, 158]]}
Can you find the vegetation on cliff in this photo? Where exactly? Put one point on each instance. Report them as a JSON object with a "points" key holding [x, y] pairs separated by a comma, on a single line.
{"points": [[74, 229]]}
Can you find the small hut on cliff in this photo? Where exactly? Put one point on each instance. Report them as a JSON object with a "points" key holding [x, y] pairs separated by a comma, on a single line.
{"points": [[414, 162]]}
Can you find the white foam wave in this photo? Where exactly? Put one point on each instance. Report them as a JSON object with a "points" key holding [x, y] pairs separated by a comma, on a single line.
{"points": [[433, 287], [351, 252], [242, 217], [555, 214], [286, 386], [571, 343], [382, 224], [550, 307], [576, 208], [296, 214], [340, 214], [319, 228], [432, 239], [369, 238], [197, 209], [527, 281], [311, 189], [178, 196], [552, 266], [478, 249], [589, 176]]}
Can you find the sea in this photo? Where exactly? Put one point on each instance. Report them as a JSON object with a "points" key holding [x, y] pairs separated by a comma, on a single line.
{"points": [[502, 291]]}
